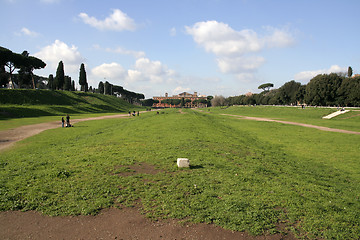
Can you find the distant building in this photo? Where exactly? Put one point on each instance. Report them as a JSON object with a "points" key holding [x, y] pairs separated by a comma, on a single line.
{"points": [[190, 100]]}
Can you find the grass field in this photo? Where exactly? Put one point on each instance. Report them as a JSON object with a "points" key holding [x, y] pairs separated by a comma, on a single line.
{"points": [[28, 103], [309, 115], [244, 175]]}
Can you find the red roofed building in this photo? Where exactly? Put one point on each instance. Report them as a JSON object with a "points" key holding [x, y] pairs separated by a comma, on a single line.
{"points": [[190, 100]]}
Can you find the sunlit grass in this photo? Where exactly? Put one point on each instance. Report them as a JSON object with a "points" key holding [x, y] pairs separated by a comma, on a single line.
{"points": [[245, 175]]}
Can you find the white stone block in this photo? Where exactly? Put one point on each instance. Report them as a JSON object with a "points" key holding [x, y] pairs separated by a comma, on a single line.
{"points": [[183, 162]]}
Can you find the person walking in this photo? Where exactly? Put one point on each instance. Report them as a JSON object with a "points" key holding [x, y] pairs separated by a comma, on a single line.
{"points": [[68, 121], [62, 122]]}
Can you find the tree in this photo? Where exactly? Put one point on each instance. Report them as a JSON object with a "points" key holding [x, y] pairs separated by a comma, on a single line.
{"points": [[266, 86], [149, 102], [23, 61], [287, 92], [60, 76], [322, 89], [73, 85], [51, 84], [218, 101], [67, 83], [10, 60], [82, 78], [3, 76], [350, 72], [24, 77], [101, 87], [107, 88], [349, 92]]}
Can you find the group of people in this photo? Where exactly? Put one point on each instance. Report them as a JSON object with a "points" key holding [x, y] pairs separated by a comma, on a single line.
{"points": [[133, 113], [67, 121]]}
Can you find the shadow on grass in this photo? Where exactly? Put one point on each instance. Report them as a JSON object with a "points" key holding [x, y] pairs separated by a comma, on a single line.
{"points": [[196, 167]]}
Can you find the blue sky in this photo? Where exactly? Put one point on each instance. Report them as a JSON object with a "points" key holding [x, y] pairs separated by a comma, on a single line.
{"points": [[213, 47]]}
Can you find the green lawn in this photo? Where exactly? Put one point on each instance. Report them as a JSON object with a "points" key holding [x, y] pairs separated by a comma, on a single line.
{"points": [[309, 115], [245, 175], [29, 103]]}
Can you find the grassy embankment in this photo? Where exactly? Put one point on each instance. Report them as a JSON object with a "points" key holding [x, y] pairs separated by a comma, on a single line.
{"points": [[245, 175], [22, 107]]}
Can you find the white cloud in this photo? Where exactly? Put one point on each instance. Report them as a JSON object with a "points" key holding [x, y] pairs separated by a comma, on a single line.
{"points": [[144, 70], [180, 89], [173, 32], [60, 51], [109, 71], [236, 50], [27, 32], [220, 39], [278, 38], [306, 76], [152, 71], [117, 21]]}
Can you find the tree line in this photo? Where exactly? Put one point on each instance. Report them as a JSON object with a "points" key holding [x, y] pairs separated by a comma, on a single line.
{"points": [[25, 64], [334, 89]]}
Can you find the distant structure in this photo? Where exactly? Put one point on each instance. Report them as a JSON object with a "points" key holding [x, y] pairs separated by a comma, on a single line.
{"points": [[190, 100]]}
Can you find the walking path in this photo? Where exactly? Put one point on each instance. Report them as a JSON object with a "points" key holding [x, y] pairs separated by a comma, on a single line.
{"points": [[334, 114], [11, 136], [295, 123]]}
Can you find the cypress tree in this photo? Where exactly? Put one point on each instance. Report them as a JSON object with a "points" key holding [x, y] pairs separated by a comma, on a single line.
{"points": [[82, 78], [73, 85], [51, 84], [101, 87], [60, 76], [67, 84], [350, 72]]}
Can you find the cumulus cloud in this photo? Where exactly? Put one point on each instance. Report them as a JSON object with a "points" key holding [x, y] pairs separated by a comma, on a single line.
{"points": [[220, 39], [144, 70], [152, 71], [306, 76], [27, 32], [236, 50], [60, 51], [117, 21], [111, 71], [180, 89]]}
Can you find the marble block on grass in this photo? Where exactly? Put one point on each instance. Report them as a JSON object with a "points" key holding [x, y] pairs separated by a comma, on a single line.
{"points": [[183, 162]]}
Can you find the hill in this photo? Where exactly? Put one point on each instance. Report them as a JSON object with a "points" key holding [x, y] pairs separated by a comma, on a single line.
{"points": [[16, 103]]}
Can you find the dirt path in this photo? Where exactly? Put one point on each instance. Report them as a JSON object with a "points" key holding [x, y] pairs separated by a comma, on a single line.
{"points": [[111, 223], [294, 123], [11, 136]]}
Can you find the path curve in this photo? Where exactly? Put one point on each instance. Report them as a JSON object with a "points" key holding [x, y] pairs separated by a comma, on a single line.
{"points": [[11, 136], [295, 123]]}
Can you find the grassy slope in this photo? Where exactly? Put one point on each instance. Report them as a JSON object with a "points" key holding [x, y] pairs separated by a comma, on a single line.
{"points": [[42, 106], [246, 175]]}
